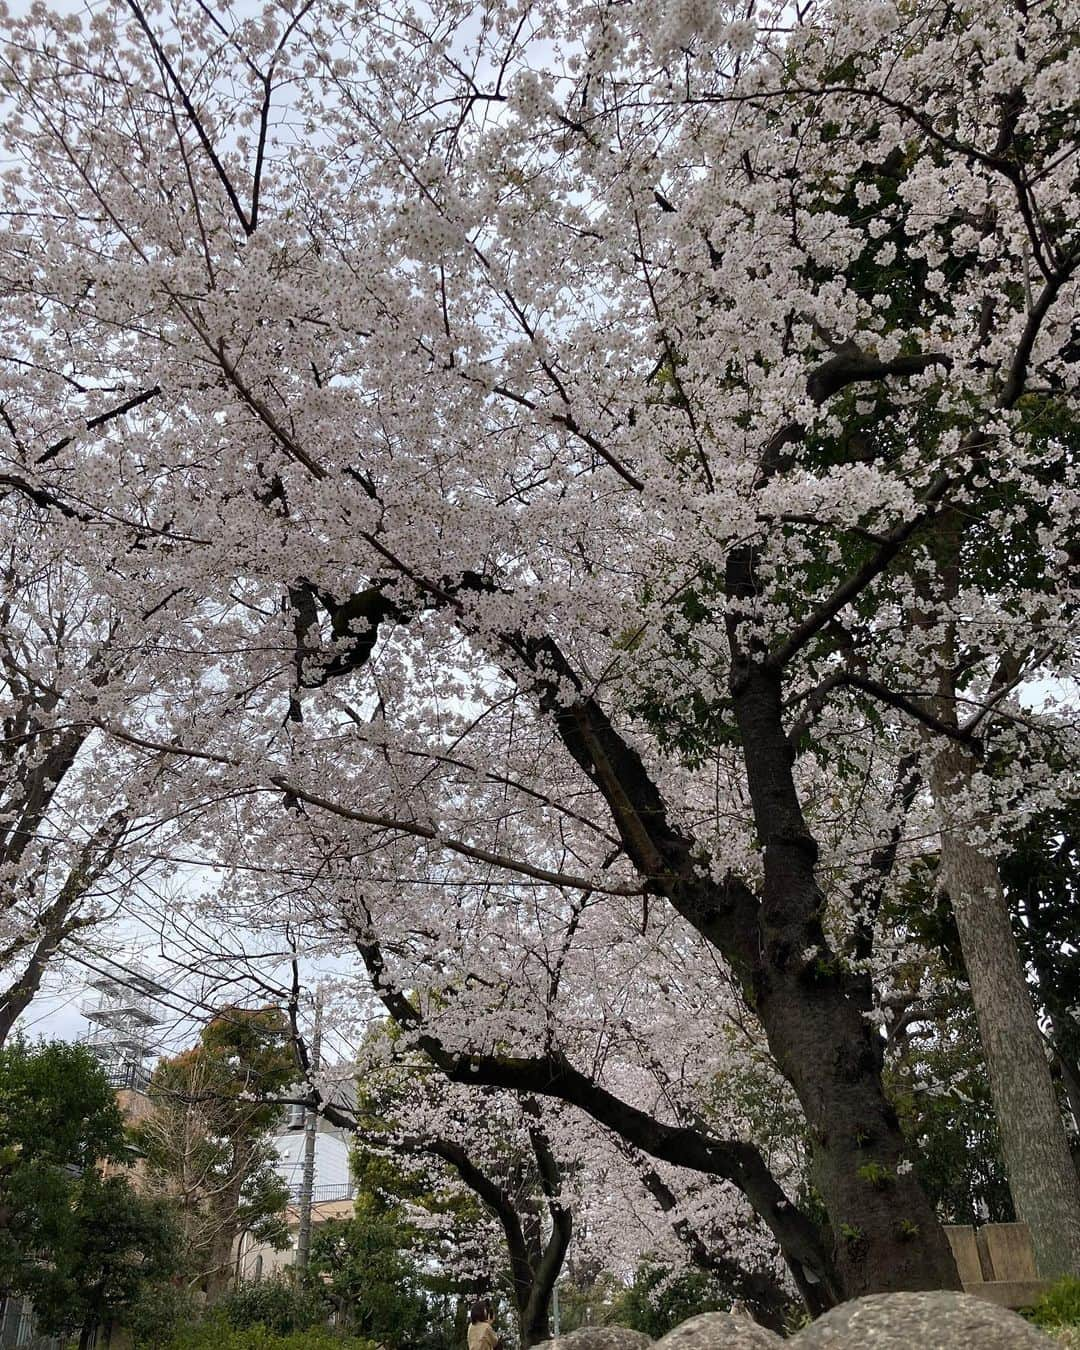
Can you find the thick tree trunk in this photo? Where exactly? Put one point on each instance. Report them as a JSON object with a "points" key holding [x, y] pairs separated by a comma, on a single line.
{"points": [[885, 1233], [533, 1281], [1042, 1175], [533, 1323], [534, 1314], [221, 1266]]}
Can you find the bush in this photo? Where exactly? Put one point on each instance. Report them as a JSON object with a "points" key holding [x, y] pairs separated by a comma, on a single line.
{"points": [[216, 1334], [657, 1302], [160, 1311], [375, 1282], [281, 1306], [1059, 1306]]}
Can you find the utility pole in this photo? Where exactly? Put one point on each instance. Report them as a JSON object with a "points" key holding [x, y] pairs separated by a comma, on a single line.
{"points": [[311, 1126]]}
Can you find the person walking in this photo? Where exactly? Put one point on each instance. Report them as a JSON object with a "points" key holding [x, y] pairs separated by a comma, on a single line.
{"points": [[481, 1331]]}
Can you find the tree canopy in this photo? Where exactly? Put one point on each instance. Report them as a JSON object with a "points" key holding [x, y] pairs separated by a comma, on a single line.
{"points": [[82, 1245], [593, 490], [207, 1139]]}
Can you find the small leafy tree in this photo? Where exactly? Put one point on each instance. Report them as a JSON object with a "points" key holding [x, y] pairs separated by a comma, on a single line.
{"points": [[375, 1281], [121, 1243], [208, 1140], [656, 1301], [940, 1088], [281, 1305], [82, 1246]]}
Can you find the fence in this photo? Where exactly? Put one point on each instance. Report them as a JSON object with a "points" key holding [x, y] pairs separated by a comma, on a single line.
{"points": [[321, 1194], [18, 1327], [997, 1262]]}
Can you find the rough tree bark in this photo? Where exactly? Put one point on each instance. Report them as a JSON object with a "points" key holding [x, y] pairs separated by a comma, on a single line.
{"points": [[226, 1208], [886, 1235], [1042, 1176]]}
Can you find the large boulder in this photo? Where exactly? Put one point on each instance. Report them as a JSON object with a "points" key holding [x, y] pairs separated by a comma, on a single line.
{"points": [[598, 1338], [719, 1331], [930, 1321]]}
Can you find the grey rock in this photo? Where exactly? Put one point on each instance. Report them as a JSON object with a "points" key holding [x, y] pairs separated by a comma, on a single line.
{"points": [[719, 1331], [598, 1338], [931, 1321]]}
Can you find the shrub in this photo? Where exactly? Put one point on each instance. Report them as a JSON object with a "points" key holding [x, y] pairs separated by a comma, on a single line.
{"points": [[281, 1305], [658, 1301], [216, 1334], [160, 1311], [1059, 1306]]}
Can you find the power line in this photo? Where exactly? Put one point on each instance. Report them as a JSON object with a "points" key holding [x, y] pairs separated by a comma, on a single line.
{"points": [[196, 1009]]}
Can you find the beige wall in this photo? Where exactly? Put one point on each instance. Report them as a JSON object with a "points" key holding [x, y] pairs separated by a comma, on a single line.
{"points": [[258, 1260], [134, 1107]]}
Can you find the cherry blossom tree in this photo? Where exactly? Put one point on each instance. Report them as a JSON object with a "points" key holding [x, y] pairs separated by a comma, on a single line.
{"points": [[533, 1165], [562, 421], [75, 807], [493, 1149]]}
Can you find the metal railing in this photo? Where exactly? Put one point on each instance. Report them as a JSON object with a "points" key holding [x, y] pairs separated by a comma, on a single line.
{"points": [[133, 1076], [321, 1194]]}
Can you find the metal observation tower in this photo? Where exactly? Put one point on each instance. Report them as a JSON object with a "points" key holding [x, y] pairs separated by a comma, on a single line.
{"points": [[124, 1018]]}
